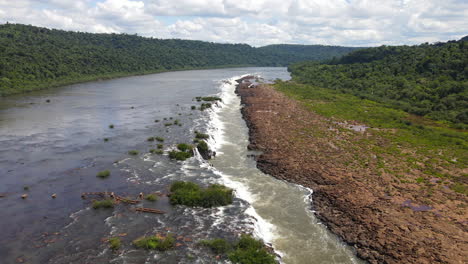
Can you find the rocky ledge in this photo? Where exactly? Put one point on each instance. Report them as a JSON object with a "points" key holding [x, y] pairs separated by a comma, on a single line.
{"points": [[355, 204]]}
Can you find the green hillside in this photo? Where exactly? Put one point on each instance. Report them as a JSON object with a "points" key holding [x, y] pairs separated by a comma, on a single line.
{"points": [[32, 58], [428, 80]]}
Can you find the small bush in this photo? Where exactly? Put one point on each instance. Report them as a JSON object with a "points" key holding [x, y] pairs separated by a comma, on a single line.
{"points": [[154, 242], [150, 139], [103, 174], [246, 250], [151, 197], [176, 122], [133, 152], [217, 245], [159, 139], [114, 243], [190, 194], [202, 147], [168, 124], [209, 98], [193, 107], [250, 251], [184, 147], [199, 135], [160, 146], [180, 155], [205, 106], [111, 126], [108, 203], [106, 139], [156, 121]]}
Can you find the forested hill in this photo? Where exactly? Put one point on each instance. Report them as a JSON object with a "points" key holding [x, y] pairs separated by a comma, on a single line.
{"points": [[33, 58], [294, 53], [428, 80]]}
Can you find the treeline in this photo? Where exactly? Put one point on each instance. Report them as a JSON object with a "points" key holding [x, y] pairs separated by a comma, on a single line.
{"points": [[33, 57], [427, 80]]}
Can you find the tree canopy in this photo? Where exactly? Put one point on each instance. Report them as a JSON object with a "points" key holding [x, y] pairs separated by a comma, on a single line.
{"points": [[33, 57], [427, 80]]}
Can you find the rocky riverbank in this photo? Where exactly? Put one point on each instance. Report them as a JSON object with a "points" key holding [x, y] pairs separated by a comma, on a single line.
{"points": [[384, 221]]}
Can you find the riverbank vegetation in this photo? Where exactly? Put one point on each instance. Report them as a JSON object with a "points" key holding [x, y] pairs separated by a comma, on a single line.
{"points": [[396, 142], [191, 194], [33, 58], [424, 80]]}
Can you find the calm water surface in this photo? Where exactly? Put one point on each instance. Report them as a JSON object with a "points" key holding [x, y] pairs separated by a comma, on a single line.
{"points": [[58, 147]]}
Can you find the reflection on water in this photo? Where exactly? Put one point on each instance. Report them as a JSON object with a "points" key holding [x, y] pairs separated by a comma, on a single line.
{"points": [[58, 147]]}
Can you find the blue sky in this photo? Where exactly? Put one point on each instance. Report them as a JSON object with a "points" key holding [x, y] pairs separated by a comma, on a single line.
{"points": [[256, 22]]}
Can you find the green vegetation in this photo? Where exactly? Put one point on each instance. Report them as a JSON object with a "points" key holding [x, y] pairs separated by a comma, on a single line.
{"points": [[159, 139], [133, 152], [438, 150], [167, 124], [160, 146], [245, 251], [190, 194], [151, 197], [202, 147], [199, 135], [217, 245], [193, 107], [184, 147], [180, 155], [156, 151], [114, 243], [106, 139], [208, 98], [425, 80], [34, 58], [108, 203], [150, 139], [205, 106], [185, 152], [103, 174], [111, 126], [156, 121], [155, 242]]}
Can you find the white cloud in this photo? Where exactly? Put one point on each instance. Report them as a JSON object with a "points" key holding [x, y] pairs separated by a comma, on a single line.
{"points": [[257, 22]]}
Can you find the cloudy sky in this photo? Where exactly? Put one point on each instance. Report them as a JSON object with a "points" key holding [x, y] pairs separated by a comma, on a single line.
{"points": [[256, 22]]}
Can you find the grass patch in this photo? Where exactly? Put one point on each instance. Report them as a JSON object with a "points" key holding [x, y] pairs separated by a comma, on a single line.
{"points": [[114, 243], [180, 155], [103, 174], [190, 194], [247, 250], [108, 203], [159, 139], [133, 152], [199, 135], [193, 107], [156, 151], [151, 197], [150, 139], [111, 126], [160, 146], [154, 242], [184, 147], [167, 124], [106, 139], [460, 188]]}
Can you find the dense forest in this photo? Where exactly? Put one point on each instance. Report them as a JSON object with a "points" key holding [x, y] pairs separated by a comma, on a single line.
{"points": [[33, 57], [428, 80]]}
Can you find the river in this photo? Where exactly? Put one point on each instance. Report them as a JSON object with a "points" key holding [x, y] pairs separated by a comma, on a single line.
{"points": [[56, 141]]}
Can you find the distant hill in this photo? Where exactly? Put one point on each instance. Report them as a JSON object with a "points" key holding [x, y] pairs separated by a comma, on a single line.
{"points": [[294, 53], [33, 58], [428, 80]]}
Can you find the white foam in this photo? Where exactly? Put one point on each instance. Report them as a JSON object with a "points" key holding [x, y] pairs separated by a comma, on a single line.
{"points": [[216, 129]]}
